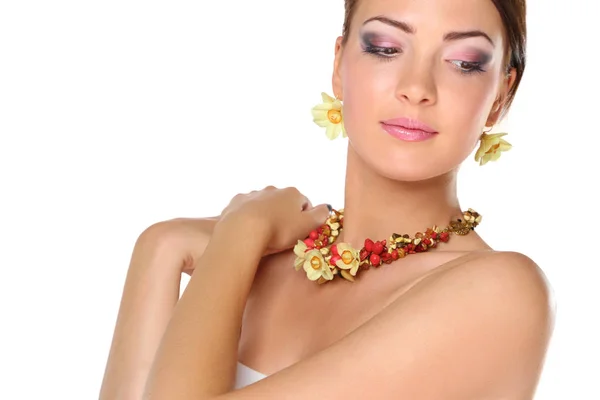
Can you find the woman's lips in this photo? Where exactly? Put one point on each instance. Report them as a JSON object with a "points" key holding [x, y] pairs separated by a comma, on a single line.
{"points": [[409, 130]]}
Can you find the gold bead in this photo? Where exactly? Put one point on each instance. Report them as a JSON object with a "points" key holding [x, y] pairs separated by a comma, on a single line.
{"points": [[346, 275], [315, 262], [334, 116], [347, 257]]}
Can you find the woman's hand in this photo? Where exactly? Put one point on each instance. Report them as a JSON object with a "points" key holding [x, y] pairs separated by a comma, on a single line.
{"points": [[277, 217]]}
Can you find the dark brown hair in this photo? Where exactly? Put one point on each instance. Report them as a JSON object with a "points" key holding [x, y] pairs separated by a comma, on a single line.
{"points": [[512, 13]]}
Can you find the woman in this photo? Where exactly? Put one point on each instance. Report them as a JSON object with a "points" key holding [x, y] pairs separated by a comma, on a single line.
{"points": [[395, 297]]}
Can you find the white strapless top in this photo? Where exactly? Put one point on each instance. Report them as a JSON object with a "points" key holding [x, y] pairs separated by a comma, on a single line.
{"points": [[246, 376]]}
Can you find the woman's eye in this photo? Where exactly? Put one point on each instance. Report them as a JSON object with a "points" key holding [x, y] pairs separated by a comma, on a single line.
{"points": [[467, 67], [385, 52]]}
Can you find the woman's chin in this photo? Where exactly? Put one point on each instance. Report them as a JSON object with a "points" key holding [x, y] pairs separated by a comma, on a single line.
{"points": [[411, 169]]}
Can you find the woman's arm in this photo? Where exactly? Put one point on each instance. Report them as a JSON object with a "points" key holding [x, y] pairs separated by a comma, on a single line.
{"points": [[476, 331], [198, 354], [151, 291]]}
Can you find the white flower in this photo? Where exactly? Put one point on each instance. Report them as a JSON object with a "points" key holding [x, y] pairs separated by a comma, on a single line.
{"points": [[491, 147], [349, 258], [329, 115], [300, 252], [315, 266]]}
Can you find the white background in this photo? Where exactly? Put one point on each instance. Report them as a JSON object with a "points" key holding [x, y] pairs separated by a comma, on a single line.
{"points": [[117, 114]]}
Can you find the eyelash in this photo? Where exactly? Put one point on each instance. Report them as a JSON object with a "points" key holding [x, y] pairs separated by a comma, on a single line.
{"points": [[474, 67], [383, 54], [380, 52]]}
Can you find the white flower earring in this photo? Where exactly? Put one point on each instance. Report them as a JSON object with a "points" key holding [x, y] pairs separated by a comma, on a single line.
{"points": [[491, 147], [329, 115]]}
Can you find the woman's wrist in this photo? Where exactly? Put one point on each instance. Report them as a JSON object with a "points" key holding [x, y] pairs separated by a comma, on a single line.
{"points": [[240, 235], [250, 230]]}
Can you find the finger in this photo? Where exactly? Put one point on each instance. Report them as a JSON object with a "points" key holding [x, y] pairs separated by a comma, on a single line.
{"points": [[306, 204], [316, 216]]}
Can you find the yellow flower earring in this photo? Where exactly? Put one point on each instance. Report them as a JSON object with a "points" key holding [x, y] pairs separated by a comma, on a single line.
{"points": [[491, 147], [329, 115]]}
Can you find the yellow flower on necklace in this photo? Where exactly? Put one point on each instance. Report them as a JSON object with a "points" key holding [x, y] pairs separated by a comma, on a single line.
{"points": [[349, 258], [300, 252], [491, 147], [329, 115], [315, 266]]}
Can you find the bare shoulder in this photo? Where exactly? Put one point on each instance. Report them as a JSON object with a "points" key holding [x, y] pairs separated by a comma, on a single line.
{"points": [[506, 280], [508, 272], [477, 330], [504, 295]]}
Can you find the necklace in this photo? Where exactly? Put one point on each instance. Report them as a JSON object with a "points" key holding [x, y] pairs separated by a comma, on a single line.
{"points": [[323, 260]]}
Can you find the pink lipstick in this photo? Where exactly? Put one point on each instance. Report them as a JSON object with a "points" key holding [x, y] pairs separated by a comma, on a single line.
{"points": [[409, 130]]}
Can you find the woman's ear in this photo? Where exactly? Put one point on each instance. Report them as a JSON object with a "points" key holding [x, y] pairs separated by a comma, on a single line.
{"points": [[336, 79], [498, 106]]}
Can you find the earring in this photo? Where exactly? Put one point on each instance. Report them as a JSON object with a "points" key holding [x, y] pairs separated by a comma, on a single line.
{"points": [[329, 115], [491, 147]]}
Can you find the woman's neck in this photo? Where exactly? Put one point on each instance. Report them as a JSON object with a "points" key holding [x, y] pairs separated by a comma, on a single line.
{"points": [[375, 206]]}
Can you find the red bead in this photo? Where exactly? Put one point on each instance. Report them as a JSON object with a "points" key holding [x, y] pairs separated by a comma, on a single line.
{"points": [[444, 237], [325, 241], [364, 254], [386, 257], [427, 241], [310, 243], [314, 235], [395, 255], [434, 235], [334, 259], [377, 248], [375, 260], [334, 250], [369, 245]]}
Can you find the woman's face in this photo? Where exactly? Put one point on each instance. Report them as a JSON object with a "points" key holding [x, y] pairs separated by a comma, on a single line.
{"points": [[439, 62]]}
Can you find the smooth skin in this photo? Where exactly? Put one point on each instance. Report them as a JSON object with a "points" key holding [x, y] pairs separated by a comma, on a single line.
{"points": [[459, 322], [477, 329]]}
